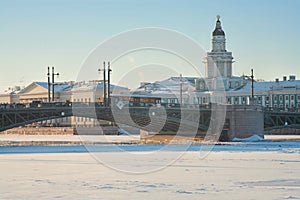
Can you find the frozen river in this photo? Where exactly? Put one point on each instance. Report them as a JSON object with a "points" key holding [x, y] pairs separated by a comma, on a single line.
{"points": [[257, 170]]}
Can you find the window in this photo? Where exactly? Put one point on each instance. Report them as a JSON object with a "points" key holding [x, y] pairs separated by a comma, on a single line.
{"points": [[298, 97], [275, 98], [235, 99], [292, 105], [267, 98], [280, 98], [228, 100], [292, 97], [286, 97], [259, 98], [244, 99]]}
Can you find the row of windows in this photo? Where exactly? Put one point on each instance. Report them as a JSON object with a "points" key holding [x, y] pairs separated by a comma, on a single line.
{"points": [[86, 100], [259, 98], [287, 97]]}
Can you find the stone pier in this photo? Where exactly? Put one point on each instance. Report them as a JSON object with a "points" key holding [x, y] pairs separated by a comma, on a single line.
{"points": [[241, 121]]}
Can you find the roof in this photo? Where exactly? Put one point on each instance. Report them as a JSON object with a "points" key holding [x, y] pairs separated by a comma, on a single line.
{"points": [[81, 86], [266, 86], [168, 86], [10, 91], [58, 87], [218, 30]]}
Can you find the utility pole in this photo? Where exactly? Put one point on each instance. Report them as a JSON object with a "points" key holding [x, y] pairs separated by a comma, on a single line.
{"points": [[53, 83], [252, 86], [180, 89], [49, 84], [104, 83], [108, 79]]}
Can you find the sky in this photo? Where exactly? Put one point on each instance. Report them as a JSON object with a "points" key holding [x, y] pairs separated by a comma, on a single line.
{"points": [[34, 34]]}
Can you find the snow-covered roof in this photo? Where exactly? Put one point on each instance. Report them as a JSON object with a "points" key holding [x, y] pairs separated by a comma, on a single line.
{"points": [[10, 91], [169, 85], [82, 86], [58, 87], [266, 86]]}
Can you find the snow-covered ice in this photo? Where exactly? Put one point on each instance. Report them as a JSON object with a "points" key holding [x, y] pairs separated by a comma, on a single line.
{"points": [[253, 138], [264, 170]]}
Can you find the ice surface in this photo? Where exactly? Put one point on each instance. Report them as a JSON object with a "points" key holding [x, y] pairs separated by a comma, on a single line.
{"points": [[234, 175], [253, 138], [263, 170]]}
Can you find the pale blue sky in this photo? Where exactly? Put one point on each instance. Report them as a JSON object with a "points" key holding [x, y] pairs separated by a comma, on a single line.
{"points": [[262, 34]]}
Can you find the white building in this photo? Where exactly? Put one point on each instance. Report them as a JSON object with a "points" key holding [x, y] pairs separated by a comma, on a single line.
{"points": [[283, 95], [86, 92]]}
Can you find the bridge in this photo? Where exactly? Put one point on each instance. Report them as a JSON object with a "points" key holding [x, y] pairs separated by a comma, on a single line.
{"points": [[281, 119], [240, 120], [149, 118]]}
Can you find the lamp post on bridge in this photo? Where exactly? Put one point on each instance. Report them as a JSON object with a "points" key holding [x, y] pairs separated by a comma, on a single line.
{"points": [[106, 95], [49, 85], [53, 83], [104, 83], [252, 86], [108, 88]]}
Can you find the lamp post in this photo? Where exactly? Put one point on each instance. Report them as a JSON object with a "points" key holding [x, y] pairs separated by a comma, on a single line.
{"points": [[180, 89], [53, 83], [252, 86], [49, 84], [108, 79], [104, 83]]}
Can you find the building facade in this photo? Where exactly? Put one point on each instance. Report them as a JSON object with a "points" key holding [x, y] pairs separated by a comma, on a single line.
{"points": [[221, 86], [84, 92]]}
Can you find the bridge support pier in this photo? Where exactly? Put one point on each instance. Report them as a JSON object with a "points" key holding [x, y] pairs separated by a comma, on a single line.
{"points": [[241, 121], [245, 121]]}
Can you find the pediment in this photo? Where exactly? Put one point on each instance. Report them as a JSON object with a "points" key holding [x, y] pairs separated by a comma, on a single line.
{"points": [[34, 88]]}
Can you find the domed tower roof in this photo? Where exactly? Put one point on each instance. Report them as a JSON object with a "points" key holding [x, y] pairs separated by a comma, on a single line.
{"points": [[218, 30]]}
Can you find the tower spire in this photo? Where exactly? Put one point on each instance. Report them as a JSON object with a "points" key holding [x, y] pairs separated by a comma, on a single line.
{"points": [[219, 61], [218, 29]]}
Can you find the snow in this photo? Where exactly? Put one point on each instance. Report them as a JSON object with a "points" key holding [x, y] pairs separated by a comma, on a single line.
{"points": [[71, 138], [218, 175], [253, 138], [266, 86], [230, 170], [282, 137], [58, 87]]}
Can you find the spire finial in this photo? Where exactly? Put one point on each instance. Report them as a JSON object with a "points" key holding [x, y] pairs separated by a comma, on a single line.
{"points": [[218, 17]]}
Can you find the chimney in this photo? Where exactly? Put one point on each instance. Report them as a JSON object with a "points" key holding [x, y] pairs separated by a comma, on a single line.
{"points": [[277, 80], [284, 78], [292, 77]]}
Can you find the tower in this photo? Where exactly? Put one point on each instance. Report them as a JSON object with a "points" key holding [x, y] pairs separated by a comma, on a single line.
{"points": [[218, 61]]}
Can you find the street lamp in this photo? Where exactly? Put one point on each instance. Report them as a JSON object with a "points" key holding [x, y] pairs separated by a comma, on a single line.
{"points": [[104, 83], [53, 83], [180, 82], [108, 79], [49, 84]]}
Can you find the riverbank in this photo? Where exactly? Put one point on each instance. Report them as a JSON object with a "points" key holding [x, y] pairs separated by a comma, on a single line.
{"points": [[57, 140], [68, 140]]}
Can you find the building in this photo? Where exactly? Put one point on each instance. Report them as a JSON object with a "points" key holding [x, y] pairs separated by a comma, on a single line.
{"points": [[282, 95], [86, 92]]}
